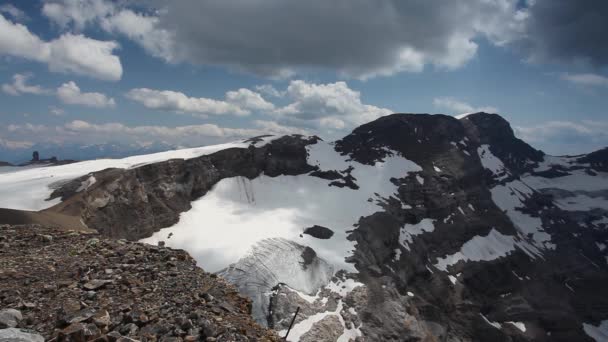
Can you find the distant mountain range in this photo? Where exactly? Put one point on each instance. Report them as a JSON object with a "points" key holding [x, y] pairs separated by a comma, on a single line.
{"points": [[80, 152]]}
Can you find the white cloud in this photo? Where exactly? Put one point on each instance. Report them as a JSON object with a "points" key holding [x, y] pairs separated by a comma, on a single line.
{"points": [[327, 106], [331, 105], [248, 99], [19, 86], [84, 132], [566, 137], [455, 106], [586, 79], [240, 102], [112, 18], [15, 144], [56, 111], [76, 12], [69, 93], [27, 127], [269, 90], [142, 29], [14, 12], [375, 38], [69, 53]]}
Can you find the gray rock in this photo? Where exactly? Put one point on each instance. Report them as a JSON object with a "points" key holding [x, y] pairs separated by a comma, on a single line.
{"points": [[9, 318], [19, 335], [96, 284]]}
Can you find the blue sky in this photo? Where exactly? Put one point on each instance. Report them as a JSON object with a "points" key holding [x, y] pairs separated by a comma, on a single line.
{"points": [[197, 72]]}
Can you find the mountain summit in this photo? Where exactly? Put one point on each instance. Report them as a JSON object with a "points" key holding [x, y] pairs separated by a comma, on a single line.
{"points": [[414, 227]]}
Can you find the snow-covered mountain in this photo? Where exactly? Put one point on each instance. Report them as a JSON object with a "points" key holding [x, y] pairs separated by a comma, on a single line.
{"points": [[412, 227]]}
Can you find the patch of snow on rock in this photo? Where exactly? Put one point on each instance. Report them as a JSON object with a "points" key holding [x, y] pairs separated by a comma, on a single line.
{"points": [[519, 325], [480, 248], [86, 184], [494, 324], [409, 230], [491, 162], [510, 198], [598, 333]]}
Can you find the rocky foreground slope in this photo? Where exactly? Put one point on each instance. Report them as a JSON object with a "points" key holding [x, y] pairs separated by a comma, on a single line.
{"points": [[411, 228], [69, 286]]}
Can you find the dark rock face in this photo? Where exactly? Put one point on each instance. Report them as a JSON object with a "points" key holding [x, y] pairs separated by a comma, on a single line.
{"points": [[513, 288], [82, 288], [598, 159], [319, 232], [495, 131]]}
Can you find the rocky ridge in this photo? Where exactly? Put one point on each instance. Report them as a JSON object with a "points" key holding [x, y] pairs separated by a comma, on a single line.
{"points": [[70, 286]]}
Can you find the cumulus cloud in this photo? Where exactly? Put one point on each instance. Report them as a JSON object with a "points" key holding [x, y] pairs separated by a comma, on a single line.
{"points": [[455, 106], [586, 79], [70, 53], [367, 39], [277, 38], [19, 86], [112, 18], [240, 102], [331, 105], [566, 137], [69, 93]]}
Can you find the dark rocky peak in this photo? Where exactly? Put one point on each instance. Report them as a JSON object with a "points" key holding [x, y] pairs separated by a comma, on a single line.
{"points": [[416, 136], [597, 160], [495, 131]]}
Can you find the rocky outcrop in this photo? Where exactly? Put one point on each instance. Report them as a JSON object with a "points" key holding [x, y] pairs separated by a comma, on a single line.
{"points": [[69, 286]]}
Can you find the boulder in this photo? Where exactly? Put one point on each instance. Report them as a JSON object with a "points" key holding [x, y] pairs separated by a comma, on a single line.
{"points": [[9, 318], [19, 335]]}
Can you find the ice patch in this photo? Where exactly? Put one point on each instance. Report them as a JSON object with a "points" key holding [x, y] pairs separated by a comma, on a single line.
{"points": [[582, 202], [86, 184], [510, 197], [577, 180], [409, 230], [519, 325], [494, 324], [491, 162], [452, 279], [480, 248], [343, 287], [420, 179], [598, 333]]}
